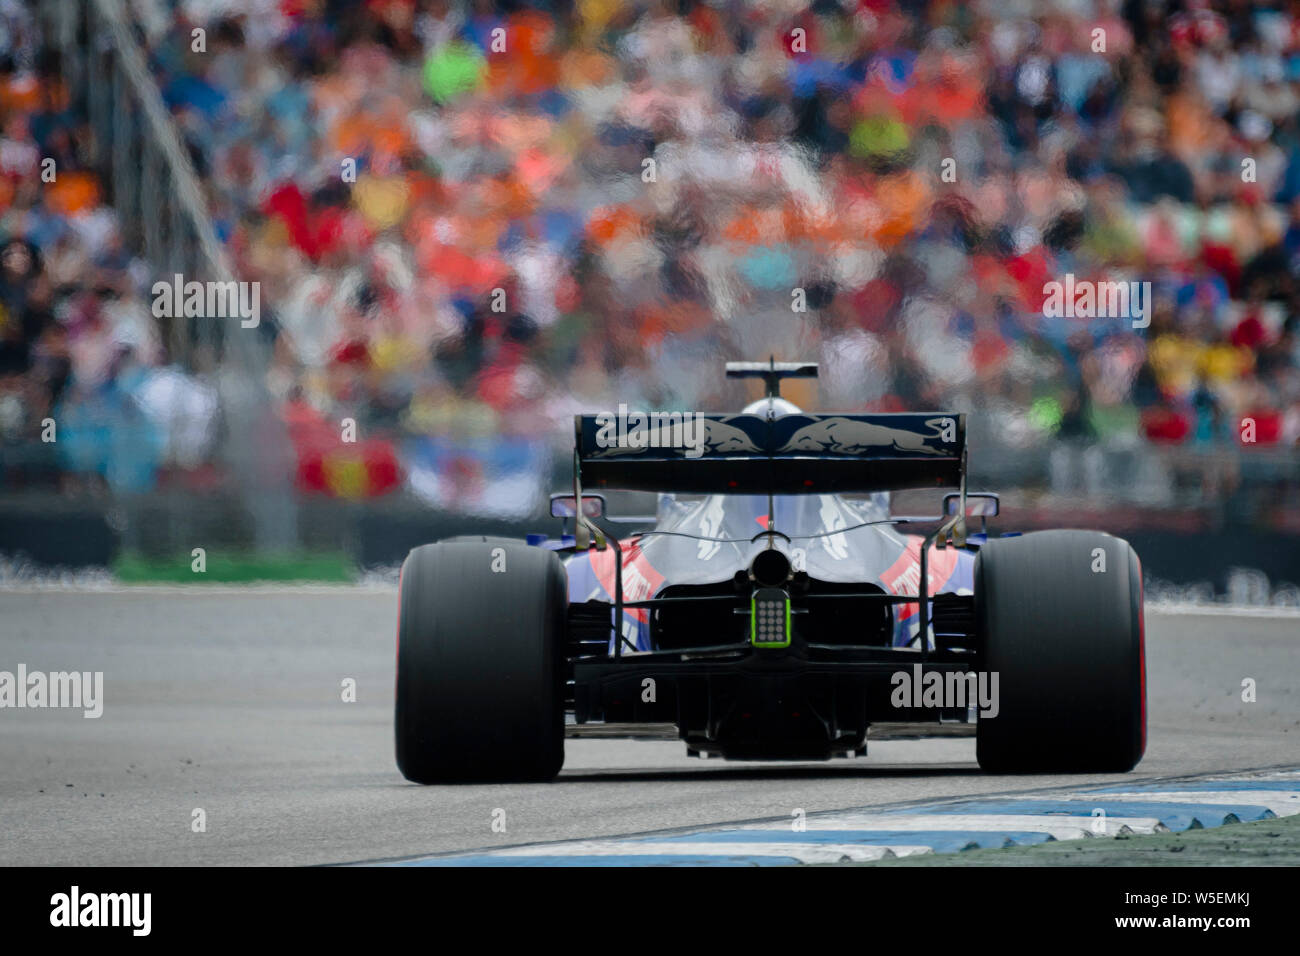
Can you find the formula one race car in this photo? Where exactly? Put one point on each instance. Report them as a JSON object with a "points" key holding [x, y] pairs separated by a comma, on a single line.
{"points": [[774, 610]]}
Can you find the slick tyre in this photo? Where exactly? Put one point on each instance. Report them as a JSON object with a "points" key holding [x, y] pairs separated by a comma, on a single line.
{"points": [[1059, 619], [480, 672]]}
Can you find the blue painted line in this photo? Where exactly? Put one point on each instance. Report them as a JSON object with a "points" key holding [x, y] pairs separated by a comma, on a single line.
{"points": [[1219, 786], [644, 859], [640, 850], [1176, 816], [941, 841]]}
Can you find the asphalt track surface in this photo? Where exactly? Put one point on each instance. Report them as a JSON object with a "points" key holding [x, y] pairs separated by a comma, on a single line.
{"points": [[230, 700]]}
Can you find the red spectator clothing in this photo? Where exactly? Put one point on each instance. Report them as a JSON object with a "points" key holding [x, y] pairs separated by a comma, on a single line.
{"points": [[1249, 332], [1166, 426]]}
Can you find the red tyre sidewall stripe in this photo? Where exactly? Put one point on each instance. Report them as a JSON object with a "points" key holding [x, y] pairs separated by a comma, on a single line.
{"points": [[1142, 651], [397, 654]]}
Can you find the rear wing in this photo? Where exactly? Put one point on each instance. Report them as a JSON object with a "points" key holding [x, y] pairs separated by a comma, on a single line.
{"points": [[754, 454]]}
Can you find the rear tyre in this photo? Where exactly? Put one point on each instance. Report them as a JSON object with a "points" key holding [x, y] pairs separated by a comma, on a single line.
{"points": [[1059, 614], [480, 672]]}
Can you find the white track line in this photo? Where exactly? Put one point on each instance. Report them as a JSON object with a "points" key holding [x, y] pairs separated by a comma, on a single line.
{"points": [[1224, 610], [1059, 826], [385, 587], [252, 589], [1282, 802], [803, 852]]}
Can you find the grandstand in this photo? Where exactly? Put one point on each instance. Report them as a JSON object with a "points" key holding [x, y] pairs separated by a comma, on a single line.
{"points": [[467, 221]]}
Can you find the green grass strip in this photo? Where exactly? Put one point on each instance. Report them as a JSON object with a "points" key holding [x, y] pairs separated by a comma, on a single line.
{"points": [[234, 568]]}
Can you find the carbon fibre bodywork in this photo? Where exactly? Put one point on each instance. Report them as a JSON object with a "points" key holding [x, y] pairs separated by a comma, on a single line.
{"points": [[675, 625], [703, 542]]}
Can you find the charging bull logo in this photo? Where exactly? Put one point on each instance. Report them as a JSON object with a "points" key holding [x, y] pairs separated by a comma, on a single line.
{"points": [[727, 439], [847, 436]]}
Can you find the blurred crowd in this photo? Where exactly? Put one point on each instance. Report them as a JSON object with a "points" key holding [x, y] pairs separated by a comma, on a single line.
{"points": [[87, 395], [473, 219]]}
